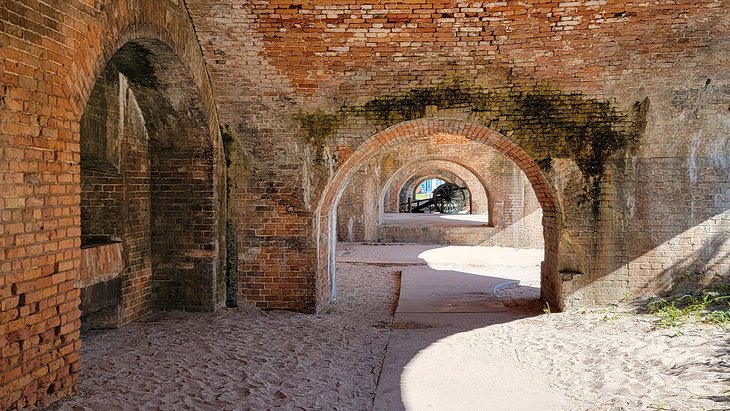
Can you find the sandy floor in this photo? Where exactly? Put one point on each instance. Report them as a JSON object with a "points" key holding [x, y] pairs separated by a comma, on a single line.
{"points": [[241, 359], [244, 359], [579, 361]]}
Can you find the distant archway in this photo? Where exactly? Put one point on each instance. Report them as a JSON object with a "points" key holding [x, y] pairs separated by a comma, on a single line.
{"points": [[551, 288], [478, 190]]}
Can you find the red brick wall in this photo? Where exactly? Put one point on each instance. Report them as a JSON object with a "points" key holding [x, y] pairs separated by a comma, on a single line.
{"points": [[115, 202], [51, 57], [559, 79], [622, 104], [418, 131]]}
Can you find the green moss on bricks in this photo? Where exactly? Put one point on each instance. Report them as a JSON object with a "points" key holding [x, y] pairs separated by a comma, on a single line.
{"points": [[318, 126], [228, 147], [545, 122], [591, 132], [412, 105]]}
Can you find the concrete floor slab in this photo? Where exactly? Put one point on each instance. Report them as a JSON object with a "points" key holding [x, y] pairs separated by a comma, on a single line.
{"points": [[426, 290], [412, 334], [499, 261], [452, 293]]}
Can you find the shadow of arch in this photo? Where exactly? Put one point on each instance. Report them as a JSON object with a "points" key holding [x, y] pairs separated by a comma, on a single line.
{"points": [[326, 214]]}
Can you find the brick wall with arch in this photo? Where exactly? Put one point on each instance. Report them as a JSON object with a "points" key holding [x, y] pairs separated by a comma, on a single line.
{"points": [[515, 212], [410, 134], [54, 56], [402, 184], [604, 96], [621, 106], [430, 181]]}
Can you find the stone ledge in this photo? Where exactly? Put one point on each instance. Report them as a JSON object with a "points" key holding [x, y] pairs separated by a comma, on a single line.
{"points": [[100, 262]]}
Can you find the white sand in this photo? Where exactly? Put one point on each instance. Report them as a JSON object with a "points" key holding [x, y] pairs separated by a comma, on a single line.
{"points": [[240, 359], [575, 361]]}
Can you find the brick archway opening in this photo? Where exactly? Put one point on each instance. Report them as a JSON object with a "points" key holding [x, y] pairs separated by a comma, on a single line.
{"points": [[326, 215], [149, 208], [409, 189], [402, 179]]}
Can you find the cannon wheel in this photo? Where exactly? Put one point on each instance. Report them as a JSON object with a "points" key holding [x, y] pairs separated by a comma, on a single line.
{"points": [[449, 198]]}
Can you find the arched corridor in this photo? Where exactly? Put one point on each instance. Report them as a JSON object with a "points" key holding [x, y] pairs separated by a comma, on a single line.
{"points": [[434, 136], [191, 169]]}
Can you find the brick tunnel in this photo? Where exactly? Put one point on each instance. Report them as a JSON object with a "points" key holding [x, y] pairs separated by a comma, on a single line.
{"points": [[427, 134], [192, 154]]}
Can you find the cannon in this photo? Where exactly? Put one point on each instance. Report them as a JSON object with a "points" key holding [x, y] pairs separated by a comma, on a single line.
{"points": [[448, 198]]}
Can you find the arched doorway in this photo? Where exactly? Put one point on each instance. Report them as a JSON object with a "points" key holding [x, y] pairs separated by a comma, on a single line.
{"points": [[150, 207], [551, 289], [403, 179], [422, 188]]}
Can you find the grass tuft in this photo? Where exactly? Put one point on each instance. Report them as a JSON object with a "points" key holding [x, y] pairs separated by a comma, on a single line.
{"points": [[711, 306]]}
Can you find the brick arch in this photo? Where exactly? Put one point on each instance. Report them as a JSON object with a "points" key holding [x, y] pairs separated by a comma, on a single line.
{"points": [[418, 178], [326, 214], [441, 174], [122, 22], [187, 179], [482, 188]]}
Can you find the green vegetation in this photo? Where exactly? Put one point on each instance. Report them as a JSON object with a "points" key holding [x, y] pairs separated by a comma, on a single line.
{"points": [[711, 306], [610, 313]]}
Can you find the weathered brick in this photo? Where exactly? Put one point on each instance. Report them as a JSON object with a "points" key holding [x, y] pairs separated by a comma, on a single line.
{"points": [[533, 80]]}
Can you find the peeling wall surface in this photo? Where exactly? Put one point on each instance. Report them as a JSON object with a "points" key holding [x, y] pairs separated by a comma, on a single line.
{"points": [[258, 115]]}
